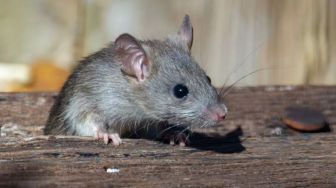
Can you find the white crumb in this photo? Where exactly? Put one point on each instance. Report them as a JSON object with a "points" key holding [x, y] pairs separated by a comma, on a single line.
{"points": [[278, 131], [112, 170]]}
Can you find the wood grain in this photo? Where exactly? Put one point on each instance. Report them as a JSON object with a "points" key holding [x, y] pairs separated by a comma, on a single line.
{"points": [[251, 149]]}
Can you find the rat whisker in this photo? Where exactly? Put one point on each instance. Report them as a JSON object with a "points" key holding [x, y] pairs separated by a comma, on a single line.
{"points": [[203, 125], [161, 132], [187, 128], [223, 92], [243, 61]]}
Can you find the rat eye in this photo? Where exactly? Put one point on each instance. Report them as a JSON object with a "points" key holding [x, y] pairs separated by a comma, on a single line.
{"points": [[209, 79], [180, 91]]}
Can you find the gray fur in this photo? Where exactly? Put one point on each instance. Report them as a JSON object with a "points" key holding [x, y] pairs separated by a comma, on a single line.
{"points": [[98, 95]]}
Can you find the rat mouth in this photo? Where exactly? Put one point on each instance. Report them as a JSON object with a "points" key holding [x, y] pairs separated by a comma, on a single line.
{"points": [[195, 121], [192, 118]]}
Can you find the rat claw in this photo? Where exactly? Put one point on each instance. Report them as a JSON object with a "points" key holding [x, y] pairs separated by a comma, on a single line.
{"points": [[115, 138], [182, 144], [97, 136], [176, 139], [182, 140], [106, 138]]}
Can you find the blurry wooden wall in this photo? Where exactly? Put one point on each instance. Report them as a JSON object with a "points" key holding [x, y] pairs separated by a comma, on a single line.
{"points": [[294, 41]]}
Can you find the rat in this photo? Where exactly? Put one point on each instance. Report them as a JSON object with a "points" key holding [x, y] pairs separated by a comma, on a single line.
{"points": [[134, 84]]}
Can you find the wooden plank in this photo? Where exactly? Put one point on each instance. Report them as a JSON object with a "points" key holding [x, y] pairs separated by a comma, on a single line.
{"points": [[269, 161], [243, 152]]}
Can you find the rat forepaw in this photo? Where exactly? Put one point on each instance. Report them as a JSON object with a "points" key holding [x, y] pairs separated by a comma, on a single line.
{"points": [[176, 138], [114, 137]]}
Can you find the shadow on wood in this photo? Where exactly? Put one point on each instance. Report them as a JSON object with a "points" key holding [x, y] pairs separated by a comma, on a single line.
{"points": [[229, 143]]}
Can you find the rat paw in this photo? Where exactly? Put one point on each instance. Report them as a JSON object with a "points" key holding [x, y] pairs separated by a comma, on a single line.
{"points": [[114, 138], [175, 138]]}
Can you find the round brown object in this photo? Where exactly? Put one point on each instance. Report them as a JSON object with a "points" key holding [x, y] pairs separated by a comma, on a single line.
{"points": [[304, 119]]}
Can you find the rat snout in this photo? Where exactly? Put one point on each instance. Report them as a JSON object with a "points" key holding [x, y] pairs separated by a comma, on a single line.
{"points": [[217, 112]]}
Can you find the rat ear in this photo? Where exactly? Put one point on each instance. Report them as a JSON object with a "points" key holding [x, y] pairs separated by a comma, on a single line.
{"points": [[186, 32], [132, 56]]}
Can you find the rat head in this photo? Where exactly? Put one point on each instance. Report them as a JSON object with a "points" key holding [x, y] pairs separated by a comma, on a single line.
{"points": [[166, 81]]}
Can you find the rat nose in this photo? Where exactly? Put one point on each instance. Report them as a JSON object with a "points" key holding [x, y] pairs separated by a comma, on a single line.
{"points": [[218, 116], [217, 113]]}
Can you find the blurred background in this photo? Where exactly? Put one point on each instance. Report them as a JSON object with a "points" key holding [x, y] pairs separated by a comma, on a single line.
{"points": [[293, 42]]}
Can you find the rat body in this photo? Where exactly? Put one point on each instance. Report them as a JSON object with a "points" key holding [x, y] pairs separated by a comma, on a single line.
{"points": [[133, 84]]}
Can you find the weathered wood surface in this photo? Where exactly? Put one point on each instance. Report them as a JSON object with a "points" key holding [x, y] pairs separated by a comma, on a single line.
{"points": [[252, 148]]}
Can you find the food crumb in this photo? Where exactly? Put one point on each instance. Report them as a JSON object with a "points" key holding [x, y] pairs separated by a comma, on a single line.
{"points": [[278, 131], [112, 170]]}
